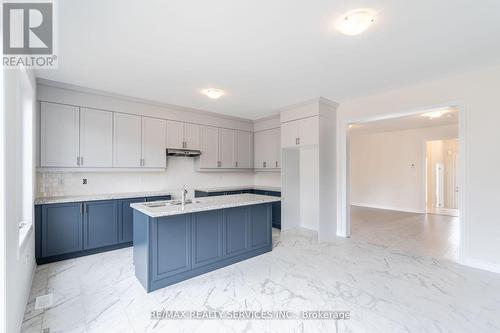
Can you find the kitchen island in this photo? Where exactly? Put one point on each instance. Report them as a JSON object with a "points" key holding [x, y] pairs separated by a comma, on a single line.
{"points": [[174, 242]]}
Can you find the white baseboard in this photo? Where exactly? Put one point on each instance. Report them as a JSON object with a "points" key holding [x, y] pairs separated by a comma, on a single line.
{"points": [[399, 209], [495, 268]]}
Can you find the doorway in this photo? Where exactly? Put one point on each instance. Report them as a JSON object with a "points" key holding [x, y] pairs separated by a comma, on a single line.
{"points": [[386, 183]]}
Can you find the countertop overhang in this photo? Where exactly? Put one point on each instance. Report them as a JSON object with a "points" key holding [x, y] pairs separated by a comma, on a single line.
{"points": [[204, 204]]}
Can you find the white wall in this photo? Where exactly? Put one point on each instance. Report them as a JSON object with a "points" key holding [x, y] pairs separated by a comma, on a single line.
{"points": [[476, 94], [19, 262], [387, 169]]}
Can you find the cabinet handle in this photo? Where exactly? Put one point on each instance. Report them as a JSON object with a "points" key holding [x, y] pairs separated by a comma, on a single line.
{"points": [[236, 164], [78, 160], [81, 160], [298, 140], [84, 209], [81, 208], [264, 164], [143, 162], [218, 164], [276, 163]]}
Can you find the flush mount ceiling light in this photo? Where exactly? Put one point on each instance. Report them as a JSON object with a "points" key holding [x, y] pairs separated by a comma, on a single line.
{"points": [[434, 114], [355, 21], [213, 93]]}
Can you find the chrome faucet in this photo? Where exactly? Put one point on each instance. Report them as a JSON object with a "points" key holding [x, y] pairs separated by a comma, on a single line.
{"points": [[183, 195]]}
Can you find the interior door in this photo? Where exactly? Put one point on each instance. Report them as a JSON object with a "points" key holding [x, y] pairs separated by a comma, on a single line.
{"points": [[59, 126], [154, 153], [127, 140], [192, 133], [175, 134], [209, 147], [226, 148], [96, 138]]}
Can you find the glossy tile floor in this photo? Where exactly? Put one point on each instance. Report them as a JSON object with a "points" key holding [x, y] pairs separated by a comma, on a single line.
{"points": [[385, 290], [422, 234]]}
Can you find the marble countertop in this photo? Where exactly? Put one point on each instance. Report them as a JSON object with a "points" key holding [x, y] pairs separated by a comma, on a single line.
{"points": [[203, 204], [96, 197], [237, 188]]}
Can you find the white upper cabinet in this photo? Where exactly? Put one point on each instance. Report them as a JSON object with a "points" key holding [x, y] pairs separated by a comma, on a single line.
{"points": [[96, 138], [175, 134], [289, 134], [267, 149], [154, 143], [59, 135], [127, 140], [226, 148], [192, 134], [309, 131], [209, 147], [301, 132], [244, 150]]}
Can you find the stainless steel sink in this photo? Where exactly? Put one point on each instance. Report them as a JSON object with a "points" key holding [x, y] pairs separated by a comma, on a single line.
{"points": [[168, 203], [178, 202]]}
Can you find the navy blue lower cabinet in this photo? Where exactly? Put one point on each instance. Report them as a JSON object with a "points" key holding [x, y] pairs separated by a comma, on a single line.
{"points": [[100, 224], [159, 198], [236, 226], [126, 219], [207, 237], [61, 229], [174, 248]]}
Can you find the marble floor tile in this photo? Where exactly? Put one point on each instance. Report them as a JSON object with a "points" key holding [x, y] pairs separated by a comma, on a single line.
{"points": [[384, 289]]}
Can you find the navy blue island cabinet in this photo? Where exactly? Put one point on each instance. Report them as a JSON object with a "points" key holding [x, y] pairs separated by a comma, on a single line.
{"points": [[174, 248], [74, 229]]}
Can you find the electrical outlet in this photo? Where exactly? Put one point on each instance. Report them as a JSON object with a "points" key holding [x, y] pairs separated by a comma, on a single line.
{"points": [[84, 181]]}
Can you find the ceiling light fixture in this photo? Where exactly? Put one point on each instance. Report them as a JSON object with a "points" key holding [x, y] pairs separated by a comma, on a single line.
{"points": [[355, 21], [213, 93], [434, 114]]}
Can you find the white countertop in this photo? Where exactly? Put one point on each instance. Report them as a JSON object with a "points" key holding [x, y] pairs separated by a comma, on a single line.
{"points": [[95, 197], [203, 204], [238, 188]]}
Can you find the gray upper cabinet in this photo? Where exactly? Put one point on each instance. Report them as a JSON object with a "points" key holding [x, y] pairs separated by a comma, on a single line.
{"points": [[209, 147], [154, 143], [96, 138], [59, 135], [267, 149], [192, 136], [244, 150], [127, 140], [227, 148]]}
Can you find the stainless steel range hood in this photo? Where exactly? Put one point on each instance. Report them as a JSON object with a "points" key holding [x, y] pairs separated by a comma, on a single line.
{"points": [[183, 152]]}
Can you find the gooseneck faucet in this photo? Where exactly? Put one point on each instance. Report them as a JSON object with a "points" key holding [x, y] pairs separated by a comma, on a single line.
{"points": [[183, 195]]}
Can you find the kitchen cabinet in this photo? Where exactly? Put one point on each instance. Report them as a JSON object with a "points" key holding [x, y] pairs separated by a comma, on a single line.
{"points": [[100, 224], [127, 140], [59, 135], [125, 219], [301, 132], [192, 133], [226, 148], [96, 138], [154, 143], [183, 135], [244, 150], [175, 134], [209, 158], [267, 149], [61, 228]]}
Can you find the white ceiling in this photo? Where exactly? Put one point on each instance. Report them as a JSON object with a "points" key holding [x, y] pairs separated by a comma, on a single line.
{"points": [[266, 54], [420, 120]]}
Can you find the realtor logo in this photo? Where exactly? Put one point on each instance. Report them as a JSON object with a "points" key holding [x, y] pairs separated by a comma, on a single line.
{"points": [[28, 34]]}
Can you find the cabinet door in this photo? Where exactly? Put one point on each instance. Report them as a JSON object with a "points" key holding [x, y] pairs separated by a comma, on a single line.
{"points": [[127, 140], [209, 147], [126, 219], [235, 231], [192, 134], [59, 135], [260, 225], [100, 226], [61, 229], [244, 149], [275, 148], [289, 134], [226, 148], [309, 131], [175, 134], [259, 149], [207, 237], [96, 138], [154, 154]]}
